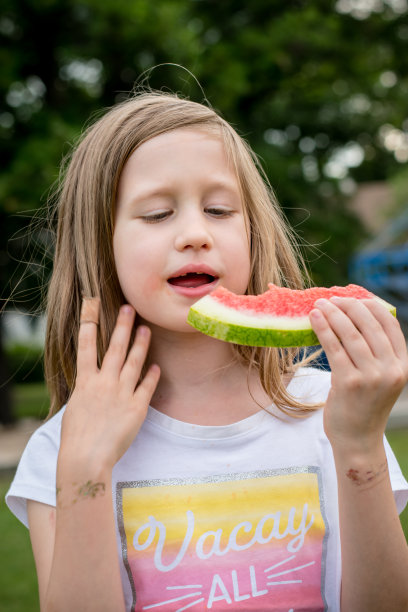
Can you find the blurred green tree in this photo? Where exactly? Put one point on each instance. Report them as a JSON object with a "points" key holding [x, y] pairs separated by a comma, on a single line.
{"points": [[317, 87]]}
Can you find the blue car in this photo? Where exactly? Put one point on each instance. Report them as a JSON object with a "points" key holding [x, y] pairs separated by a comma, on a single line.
{"points": [[382, 267]]}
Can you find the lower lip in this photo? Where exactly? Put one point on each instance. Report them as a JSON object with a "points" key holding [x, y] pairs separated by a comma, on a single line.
{"points": [[194, 292]]}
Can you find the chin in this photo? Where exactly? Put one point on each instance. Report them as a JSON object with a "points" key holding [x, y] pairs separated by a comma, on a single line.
{"points": [[181, 327]]}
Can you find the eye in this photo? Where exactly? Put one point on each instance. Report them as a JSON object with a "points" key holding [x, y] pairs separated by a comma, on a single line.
{"points": [[156, 217], [219, 211]]}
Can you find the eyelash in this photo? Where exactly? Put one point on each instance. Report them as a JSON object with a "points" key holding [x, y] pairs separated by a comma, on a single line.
{"points": [[217, 212], [155, 218], [220, 212]]}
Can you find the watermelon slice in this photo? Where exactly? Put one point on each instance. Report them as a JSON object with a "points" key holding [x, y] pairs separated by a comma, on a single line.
{"points": [[278, 317]]}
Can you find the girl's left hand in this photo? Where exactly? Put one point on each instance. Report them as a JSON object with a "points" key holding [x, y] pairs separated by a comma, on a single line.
{"points": [[367, 354]]}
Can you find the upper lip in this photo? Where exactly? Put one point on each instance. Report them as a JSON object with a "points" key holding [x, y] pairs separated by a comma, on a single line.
{"points": [[194, 269]]}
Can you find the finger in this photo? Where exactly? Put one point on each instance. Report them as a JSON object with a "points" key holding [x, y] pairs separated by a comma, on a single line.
{"points": [[118, 346], [335, 353], [132, 368], [147, 387], [390, 326], [368, 325], [87, 336], [350, 338]]}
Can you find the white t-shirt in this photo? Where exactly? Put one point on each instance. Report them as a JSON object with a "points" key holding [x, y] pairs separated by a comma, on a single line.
{"points": [[235, 517]]}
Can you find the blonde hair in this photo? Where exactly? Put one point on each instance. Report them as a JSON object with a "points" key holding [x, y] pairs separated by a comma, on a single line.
{"points": [[84, 262]]}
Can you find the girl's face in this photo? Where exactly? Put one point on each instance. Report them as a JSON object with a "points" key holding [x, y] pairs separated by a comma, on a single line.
{"points": [[180, 228]]}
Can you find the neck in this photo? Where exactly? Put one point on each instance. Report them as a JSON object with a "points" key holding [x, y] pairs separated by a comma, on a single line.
{"points": [[202, 381]]}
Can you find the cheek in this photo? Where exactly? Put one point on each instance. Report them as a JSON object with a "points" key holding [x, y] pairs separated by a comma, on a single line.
{"points": [[150, 285], [239, 249], [136, 272], [239, 265]]}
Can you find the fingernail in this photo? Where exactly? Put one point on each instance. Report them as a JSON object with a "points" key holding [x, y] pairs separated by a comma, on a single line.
{"points": [[321, 302], [142, 330], [336, 299], [316, 314], [126, 309]]}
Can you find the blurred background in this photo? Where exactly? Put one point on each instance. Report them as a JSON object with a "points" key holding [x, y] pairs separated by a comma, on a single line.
{"points": [[319, 88]]}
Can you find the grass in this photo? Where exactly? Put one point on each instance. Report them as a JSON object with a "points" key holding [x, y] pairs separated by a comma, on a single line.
{"points": [[398, 439], [18, 583]]}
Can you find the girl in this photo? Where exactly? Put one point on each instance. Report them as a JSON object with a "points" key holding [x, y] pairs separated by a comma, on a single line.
{"points": [[184, 472]]}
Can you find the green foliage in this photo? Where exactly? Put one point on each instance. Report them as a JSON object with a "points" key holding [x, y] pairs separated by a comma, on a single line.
{"points": [[300, 80], [25, 363], [31, 400], [399, 186]]}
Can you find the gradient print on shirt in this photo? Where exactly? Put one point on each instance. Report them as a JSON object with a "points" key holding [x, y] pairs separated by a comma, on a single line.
{"points": [[251, 541]]}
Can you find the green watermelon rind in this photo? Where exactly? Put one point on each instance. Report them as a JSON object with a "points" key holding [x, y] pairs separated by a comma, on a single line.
{"points": [[251, 336], [249, 329]]}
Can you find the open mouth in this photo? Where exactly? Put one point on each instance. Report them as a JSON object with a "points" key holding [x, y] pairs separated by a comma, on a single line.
{"points": [[192, 280]]}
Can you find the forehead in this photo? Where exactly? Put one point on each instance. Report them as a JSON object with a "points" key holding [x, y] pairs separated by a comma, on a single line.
{"points": [[179, 155], [188, 143]]}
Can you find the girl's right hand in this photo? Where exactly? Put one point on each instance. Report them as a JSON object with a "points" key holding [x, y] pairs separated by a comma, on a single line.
{"points": [[108, 406]]}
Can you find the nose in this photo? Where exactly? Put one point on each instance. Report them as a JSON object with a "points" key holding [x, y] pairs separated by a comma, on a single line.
{"points": [[193, 233]]}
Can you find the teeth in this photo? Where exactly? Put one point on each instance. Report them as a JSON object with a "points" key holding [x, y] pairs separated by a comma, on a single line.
{"points": [[192, 273]]}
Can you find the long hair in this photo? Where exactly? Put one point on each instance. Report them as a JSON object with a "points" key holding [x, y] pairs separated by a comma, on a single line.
{"points": [[84, 265]]}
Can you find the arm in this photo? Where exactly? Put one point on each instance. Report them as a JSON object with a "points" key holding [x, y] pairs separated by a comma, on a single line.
{"points": [[368, 358], [82, 566], [74, 544]]}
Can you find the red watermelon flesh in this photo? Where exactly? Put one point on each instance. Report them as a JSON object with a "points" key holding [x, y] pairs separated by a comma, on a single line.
{"points": [[283, 302], [278, 317]]}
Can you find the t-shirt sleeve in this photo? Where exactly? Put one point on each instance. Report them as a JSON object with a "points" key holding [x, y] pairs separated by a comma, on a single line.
{"points": [[398, 482], [36, 472]]}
